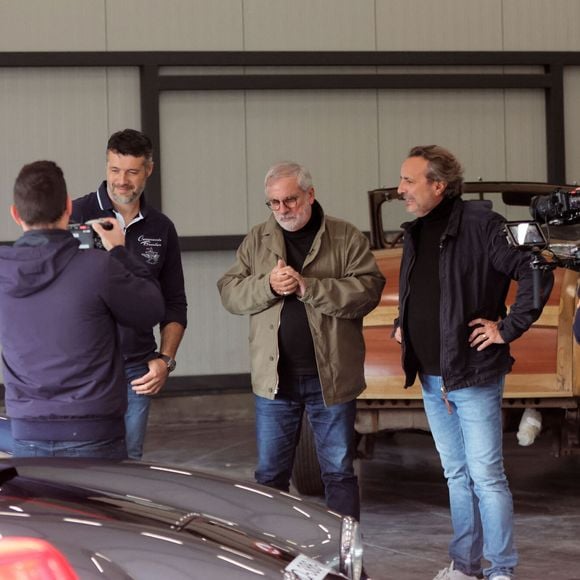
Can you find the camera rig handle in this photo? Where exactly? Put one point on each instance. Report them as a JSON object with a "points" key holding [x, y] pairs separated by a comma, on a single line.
{"points": [[538, 265]]}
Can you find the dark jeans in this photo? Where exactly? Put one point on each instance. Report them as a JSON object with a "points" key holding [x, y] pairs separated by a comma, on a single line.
{"points": [[278, 429], [106, 449], [103, 449]]}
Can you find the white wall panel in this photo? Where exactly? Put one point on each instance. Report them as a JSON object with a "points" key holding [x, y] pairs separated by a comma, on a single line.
{"points": [[174, 25], [215, 340], [204, 165], [333, 133], [56, 114], [468, 123], [123, 100], [309, 25], [440, 25], [33, 25], [572, 116], [526, 156], [541, 25]]}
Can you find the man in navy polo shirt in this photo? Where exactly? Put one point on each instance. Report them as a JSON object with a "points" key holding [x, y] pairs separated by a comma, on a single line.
{"points": [[150, 237]]}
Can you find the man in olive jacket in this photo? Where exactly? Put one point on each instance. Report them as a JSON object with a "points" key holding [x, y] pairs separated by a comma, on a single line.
{"points": [[306, 280]]}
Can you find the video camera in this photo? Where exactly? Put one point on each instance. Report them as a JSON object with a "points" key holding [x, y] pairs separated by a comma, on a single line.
{"points": [[559, 208], [87, 236]]}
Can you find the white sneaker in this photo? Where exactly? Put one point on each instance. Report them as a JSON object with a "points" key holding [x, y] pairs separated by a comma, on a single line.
{"points": [[450, 573], [502, 577]]}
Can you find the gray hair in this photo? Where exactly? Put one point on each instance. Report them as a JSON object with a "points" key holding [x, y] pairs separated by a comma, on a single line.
{"points": [[289, 169]]}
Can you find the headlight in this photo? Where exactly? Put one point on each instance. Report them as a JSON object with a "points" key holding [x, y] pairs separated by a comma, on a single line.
{"points": [[351, 549]]}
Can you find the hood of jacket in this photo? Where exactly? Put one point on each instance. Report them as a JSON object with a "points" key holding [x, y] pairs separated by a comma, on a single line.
{"points": [[35, 260]]}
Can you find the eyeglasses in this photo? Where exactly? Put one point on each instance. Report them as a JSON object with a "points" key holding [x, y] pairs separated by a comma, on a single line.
{"points": [[289, 202]]}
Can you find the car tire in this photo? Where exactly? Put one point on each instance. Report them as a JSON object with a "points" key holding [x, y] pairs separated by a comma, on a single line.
{"points": [[306, 473]]}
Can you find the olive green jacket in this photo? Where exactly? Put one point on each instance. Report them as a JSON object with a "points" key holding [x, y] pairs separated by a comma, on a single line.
{"points": [[343, 284]]}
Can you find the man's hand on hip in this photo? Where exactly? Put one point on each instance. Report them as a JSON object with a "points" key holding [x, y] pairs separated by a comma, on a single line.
{"points": [[152, 382], [484, 334]]}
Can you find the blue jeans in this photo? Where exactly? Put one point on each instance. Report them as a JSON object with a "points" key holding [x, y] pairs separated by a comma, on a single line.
{"points": [[106, 449], [278, 424], [469, 442], [6, 440], [137, 413]]}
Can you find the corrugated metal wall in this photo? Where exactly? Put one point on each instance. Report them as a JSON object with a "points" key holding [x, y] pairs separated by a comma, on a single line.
{"points": [[217, 145]]}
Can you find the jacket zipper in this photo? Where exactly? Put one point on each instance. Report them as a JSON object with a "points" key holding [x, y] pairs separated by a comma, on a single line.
{"points": [[444, 391], [278, 346], [403, 302]]}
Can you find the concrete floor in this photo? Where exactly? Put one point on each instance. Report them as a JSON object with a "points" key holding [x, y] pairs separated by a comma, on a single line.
{"points": [[405, 516]]}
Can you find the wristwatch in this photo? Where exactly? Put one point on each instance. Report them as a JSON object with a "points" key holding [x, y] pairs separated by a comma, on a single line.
{"points": [[170, 362]]}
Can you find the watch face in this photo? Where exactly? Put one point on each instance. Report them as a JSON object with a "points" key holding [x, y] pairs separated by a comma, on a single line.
{"points": [[170, 362]]}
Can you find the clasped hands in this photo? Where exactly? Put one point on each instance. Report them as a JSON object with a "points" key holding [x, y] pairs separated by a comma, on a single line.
{"points": [[284, 280]]}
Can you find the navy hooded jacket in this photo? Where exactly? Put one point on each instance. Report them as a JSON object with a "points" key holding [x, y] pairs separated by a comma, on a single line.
{"points": [[59, 310]]}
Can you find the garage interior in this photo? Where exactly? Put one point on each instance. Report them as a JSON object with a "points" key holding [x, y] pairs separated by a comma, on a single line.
{"points": [[405, 514], [226, 88]]}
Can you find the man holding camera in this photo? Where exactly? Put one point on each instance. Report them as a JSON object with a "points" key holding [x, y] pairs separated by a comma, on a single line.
{"points": [[59, 309], [455, 331], [151, 238]]}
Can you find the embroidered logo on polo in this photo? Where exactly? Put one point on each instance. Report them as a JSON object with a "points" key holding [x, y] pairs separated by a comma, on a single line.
{"points": [[150, 254]]}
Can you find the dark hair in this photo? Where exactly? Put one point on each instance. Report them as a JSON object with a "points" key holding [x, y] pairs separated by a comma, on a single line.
{"points": [[131, 142], [40, 194], [443, 166]]}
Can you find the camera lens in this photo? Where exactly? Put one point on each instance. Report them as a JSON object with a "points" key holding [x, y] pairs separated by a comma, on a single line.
{"points": [[541, 208]]}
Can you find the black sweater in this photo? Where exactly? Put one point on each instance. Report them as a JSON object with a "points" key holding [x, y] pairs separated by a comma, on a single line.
{"points": [[423, 307]]}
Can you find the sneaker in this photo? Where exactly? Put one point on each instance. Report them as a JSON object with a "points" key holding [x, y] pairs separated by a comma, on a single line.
{"points": [[501, 577], [450, 573]]}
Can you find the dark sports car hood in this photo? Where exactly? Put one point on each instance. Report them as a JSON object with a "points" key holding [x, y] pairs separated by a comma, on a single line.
{"points": [[196, 515]]}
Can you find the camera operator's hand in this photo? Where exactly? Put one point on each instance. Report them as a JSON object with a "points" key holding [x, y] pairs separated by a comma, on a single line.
{"points": [[485, 333], [110, 236]]}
